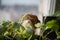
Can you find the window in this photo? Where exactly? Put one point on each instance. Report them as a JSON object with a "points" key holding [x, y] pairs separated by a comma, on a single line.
{"points": [[57, 8], [17, 8]]}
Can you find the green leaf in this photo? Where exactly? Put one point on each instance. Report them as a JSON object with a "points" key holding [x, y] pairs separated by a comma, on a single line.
{"points": [[53, 24], [38, 25], [58, 34], [57, 13]]}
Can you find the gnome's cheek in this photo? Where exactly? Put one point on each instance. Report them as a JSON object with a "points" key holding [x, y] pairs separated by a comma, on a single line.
{"points": [[37, 31]]}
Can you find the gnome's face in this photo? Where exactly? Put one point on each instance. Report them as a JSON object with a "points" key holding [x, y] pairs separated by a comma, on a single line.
{"points": [[28, 24], [29, 21]]}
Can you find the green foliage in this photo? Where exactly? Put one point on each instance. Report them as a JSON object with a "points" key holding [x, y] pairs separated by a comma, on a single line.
{"points": [[53, 24], [58, 34], [16, 31], [57, 13], [39, 25]]}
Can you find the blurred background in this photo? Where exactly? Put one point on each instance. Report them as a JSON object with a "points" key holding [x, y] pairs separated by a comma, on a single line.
{"points": [[14, 9]]}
